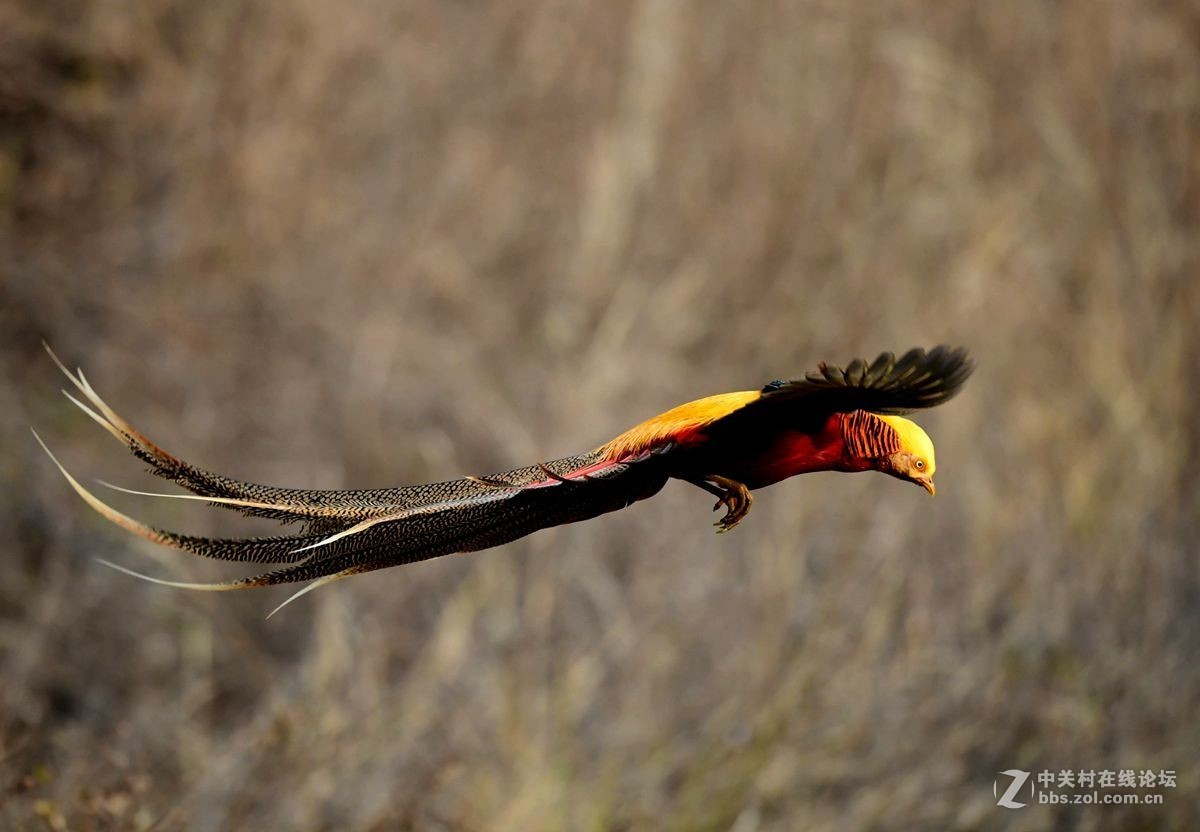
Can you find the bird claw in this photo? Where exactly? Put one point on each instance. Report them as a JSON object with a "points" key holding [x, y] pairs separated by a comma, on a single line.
{"points": [[735, 496], [737, 500]]}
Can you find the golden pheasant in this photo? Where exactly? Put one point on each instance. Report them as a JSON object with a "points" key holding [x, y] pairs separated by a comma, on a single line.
{"points": [[832, 419]]}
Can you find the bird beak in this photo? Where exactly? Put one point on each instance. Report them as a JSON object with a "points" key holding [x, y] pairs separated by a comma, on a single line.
{"points": [[927, 484]]}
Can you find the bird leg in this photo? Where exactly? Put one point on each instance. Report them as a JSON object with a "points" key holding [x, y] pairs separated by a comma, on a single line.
{"points": [[734, 495]]}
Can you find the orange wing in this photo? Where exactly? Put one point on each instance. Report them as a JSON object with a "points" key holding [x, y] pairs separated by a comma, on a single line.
{"points": [[679, 425]]}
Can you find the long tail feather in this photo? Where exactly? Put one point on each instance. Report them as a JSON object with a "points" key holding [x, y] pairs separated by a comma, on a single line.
{"points": [[245, 583], [352, 532], [317, 584], [428, 510], [465, 524], [323, 510], [277, 549], [219, 501]]}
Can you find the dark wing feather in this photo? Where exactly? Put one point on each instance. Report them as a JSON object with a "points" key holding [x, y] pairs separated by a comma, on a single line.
{"points": [[887, 385], [915, 381]]}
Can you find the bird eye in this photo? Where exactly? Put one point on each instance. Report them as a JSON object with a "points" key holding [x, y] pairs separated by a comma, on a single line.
{"points": [[920, 465]]}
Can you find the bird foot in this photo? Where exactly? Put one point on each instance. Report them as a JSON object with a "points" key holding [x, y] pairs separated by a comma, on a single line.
{"points": [[736, 498]]}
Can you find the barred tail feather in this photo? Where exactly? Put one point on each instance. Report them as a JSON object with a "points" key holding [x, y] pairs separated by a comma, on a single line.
{"points": [[449, 532], [466, 523], [355, 531], [320, 509], [278, 549]]}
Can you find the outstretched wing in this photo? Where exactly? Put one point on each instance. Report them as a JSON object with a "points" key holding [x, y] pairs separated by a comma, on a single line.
{"points": [[887, 385], [350, 532]]}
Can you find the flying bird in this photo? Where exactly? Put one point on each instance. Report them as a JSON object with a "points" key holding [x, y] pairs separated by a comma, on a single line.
{"points": [[831, 419]]}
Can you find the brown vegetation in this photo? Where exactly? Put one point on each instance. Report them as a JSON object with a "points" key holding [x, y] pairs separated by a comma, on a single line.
{"points": [[364, 244]]}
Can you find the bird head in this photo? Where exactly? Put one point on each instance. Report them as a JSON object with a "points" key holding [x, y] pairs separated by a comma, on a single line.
{"points": [[914, 461]]}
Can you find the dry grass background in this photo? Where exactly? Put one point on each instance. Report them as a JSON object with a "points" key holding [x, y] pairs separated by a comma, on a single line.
{"points": [[384, 242]]}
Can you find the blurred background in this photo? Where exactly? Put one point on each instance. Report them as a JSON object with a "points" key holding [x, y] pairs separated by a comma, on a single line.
{"points": [[376, 243]]}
